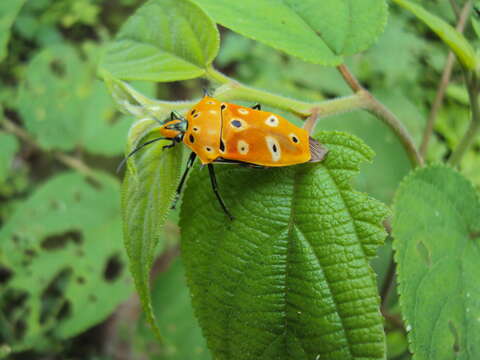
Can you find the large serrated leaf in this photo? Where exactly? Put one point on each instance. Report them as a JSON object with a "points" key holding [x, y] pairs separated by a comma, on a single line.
{"points": [[63, 251], [436, 237], [454, 39], [321, 32], [165, 40], [147, 194], [8, 13], [289, 278]]}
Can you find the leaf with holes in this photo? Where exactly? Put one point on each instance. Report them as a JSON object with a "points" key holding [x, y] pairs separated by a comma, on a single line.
{"points": [[289, 278], [165, 40], [147, 194], [63, 106], [436, 238], [454, 39], [9, 148], [63, 256], [322, 32], [8, 12]]}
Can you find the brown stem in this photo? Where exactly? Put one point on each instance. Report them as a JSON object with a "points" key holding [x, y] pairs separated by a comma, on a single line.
{"points": [[455, 7], [67, 160], [349, 78], [311, 122], [383, 113], [445, 79]]}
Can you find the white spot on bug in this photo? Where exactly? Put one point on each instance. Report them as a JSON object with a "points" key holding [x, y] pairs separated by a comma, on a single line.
{"points": [[214, 112], [294, 138], [274, 148], [272, 121], [211, 102], [243, 147], [243, 111]]}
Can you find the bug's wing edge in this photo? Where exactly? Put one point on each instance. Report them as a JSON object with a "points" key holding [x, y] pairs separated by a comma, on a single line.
{"points": [[317, 150]]}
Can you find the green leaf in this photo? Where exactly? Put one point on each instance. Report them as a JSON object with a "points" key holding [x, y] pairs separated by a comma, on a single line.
{"points": [[321, 32], [289, 278], [455, 40], [8, 12], [172, 306], [147, 194], [9, 148], [134, 103], [63, 106], [62, 248], [436, 238], [165, 40]]}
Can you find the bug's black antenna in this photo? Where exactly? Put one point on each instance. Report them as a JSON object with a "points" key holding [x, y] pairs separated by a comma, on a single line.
{"points": [[122, 163]]}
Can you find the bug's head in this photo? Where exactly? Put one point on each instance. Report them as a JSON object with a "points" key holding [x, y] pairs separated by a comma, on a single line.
{"points": [[174, 128]]}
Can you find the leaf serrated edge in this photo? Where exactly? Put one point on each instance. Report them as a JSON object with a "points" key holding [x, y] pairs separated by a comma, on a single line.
{"points": [[403, 184], [379, 31]]}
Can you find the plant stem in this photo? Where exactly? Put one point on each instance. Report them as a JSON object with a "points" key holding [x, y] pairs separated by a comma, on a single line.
{"points": [[362, 99], [470, 135], [455, 7], [67, 160], [383, 113], [445, 79]]}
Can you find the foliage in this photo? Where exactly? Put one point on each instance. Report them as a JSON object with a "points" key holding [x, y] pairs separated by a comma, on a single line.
{"points": [[292, 255], [278, 282], [435, 248]]}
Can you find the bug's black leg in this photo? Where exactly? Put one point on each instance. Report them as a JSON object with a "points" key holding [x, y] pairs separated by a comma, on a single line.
{"points": [[174, 116], [190, 162], [172, 144], [213, 180], [257, 107]]}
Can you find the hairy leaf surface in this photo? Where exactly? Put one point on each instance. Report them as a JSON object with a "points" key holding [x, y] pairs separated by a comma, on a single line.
{"points": [[147, 194], [165, 40], [321, 32], [436, 237], [289, 278]]}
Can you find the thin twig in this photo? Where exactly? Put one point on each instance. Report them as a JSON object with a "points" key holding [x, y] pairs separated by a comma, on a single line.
{"points": [[445, 79], [455, 7], [67, 160], [349, 78], [472, 131], [383, 113]]}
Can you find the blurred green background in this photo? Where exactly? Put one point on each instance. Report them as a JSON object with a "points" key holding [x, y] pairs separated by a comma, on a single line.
{"points": [[65, 290]]}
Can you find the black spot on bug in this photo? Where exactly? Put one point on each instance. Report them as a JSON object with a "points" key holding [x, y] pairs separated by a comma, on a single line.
{"points": [[274, 148], [193, 112], [195, 128], [208, 149], [236, 123], [223, 107], [191, 138], [196, 115], [242, 148], [294, 139], [222, 145]]}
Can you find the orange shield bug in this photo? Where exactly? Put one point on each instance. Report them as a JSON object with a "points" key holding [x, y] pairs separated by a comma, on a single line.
{"points": [[225, 133]]}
